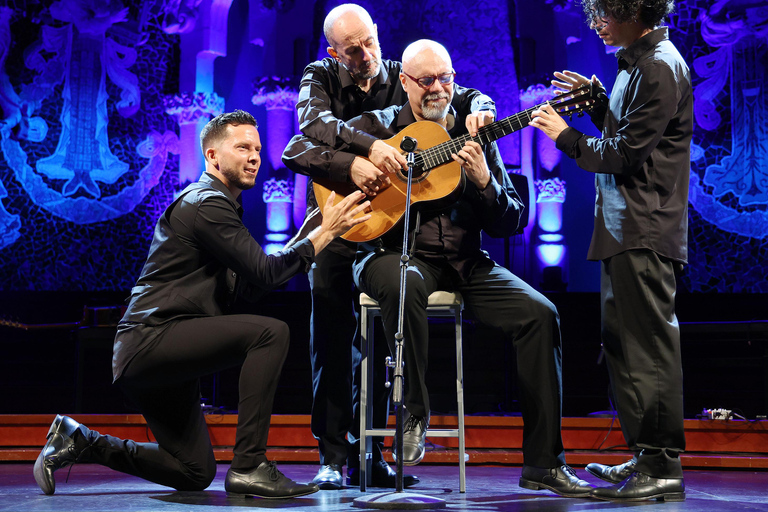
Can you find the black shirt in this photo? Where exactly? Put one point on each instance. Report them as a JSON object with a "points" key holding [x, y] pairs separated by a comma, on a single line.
{"points": [[201, 259], [452, 234], [642, 160], [328, 97]]}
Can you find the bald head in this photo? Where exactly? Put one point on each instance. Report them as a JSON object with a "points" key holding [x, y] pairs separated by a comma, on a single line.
{"points": [[343, 19], [425, 52], [354, 43], [429, 60]]}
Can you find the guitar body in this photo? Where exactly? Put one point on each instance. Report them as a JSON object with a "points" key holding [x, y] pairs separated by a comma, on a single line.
{"points": [[436, 187]]}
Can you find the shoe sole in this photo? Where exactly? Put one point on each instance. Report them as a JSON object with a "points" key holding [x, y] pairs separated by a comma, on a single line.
{"points": [[249, 495], [328, 486], [538, 486], [667, 496], [603, 478]]}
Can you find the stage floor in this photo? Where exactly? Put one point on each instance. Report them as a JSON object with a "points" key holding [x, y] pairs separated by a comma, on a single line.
{"points": [[94, 488]]}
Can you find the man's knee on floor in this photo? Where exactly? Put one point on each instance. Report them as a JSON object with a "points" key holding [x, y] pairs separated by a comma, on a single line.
{"points": [[198, 478]]}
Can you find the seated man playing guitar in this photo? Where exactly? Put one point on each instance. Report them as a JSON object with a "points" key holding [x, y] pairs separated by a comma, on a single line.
{"points": [[447, 255]]}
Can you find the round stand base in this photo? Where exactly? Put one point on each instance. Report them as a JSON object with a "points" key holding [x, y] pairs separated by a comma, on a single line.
{"points": [[399, 501]]}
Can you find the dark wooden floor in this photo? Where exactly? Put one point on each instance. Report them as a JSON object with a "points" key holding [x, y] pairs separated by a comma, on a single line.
{"points": [[92, 488]]}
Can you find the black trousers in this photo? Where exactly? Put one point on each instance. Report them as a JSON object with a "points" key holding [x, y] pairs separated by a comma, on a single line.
{"points": [[494, 297], [162, 381], [641, 340], [335, 358]]}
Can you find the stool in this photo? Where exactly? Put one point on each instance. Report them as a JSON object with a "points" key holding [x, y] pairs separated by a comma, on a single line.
{"points": [[440, 303]]}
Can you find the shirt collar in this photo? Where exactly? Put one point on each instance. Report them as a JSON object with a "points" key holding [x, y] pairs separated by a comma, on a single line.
{"points": [[346, 78], [217, 184], [628, 57]]}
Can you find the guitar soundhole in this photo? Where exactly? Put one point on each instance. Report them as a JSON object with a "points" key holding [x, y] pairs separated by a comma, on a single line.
{"points": [[419, 174]]}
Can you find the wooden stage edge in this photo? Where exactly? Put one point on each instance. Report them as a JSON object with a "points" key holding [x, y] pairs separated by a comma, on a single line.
{"points": [[711, 444]]}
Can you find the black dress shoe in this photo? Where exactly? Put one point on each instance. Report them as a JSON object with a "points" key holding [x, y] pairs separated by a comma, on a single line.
{"points": [[382, 475], [67, 440], [641, 487], [328, 477], [562, 481], [614, 474], [414, 437], [265, 481]]}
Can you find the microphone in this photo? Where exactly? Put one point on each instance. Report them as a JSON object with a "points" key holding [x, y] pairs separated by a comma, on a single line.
{"points": [[409, 144]]}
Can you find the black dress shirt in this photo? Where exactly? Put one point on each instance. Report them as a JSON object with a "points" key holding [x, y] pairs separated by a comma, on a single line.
{"points": [[201, 259], [643, 158], [452, 234], [328, 97]]}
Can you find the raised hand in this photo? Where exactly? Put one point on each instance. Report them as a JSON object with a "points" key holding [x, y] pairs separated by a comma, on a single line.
{"points": [[341, 217], [569, 80]]}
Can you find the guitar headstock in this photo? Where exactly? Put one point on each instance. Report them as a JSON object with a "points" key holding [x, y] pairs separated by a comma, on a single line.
{"points": [[575, 101]]}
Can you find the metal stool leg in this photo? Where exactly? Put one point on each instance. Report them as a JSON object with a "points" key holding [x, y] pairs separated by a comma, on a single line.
{"points": [[366, 382], [460, 401]]}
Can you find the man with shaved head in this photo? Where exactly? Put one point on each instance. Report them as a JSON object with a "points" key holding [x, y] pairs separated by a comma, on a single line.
{"points": [[447, 255], [354, 79]]}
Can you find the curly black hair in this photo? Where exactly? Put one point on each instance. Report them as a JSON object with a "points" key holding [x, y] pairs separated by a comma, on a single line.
{"points": [[649, 12], [216, 128]]}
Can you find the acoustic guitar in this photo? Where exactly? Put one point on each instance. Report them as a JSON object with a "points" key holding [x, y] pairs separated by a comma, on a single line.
{"points": [[437, 179]]}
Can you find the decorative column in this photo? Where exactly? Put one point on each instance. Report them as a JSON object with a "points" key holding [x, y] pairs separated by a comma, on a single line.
{"points": [[192, 111], [284, 192], [202, 27], [544, 159]]}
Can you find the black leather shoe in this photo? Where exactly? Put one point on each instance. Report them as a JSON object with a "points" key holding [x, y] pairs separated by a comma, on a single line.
{"points": [[562, 481], [382, 475], [614, 474], [414, 436], [67, 440], [328, 477], [265, 481], [641, 487]]}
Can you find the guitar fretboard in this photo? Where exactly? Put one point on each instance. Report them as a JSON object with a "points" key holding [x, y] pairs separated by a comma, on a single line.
{"points": [[441, 154]]}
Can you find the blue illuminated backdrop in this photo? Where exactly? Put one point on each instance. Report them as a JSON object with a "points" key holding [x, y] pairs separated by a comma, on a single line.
{"points": [[101, 107]]}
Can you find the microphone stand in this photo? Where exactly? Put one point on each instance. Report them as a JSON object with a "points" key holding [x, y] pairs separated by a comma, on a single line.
{"points": [[399, 499]]}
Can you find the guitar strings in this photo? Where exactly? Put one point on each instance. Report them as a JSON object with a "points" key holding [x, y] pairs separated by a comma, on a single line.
{"points": [[441, 154]]}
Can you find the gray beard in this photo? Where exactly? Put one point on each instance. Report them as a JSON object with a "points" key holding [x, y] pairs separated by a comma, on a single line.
{"points": [[434, 113]]}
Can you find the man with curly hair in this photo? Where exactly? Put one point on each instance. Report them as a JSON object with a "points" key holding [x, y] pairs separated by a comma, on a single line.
{"points": [[641, 164]]}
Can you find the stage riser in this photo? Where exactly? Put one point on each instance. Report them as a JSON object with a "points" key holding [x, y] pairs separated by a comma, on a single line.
{"points": [[489, 439]]}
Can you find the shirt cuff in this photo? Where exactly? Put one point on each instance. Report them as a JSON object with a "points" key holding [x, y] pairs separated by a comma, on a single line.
{"points": [[341, 162], [362, 143], [567, 140], [306, 251], [491, 191]]}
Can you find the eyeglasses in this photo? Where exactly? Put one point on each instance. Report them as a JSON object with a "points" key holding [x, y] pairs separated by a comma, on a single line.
{"points": [[426, 82]]}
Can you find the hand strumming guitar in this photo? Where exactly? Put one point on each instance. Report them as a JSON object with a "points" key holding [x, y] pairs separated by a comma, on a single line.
{"points": [[472, 160]]}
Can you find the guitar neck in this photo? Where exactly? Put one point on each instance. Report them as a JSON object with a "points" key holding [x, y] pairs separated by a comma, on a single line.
{"points": [[441, 154]]}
